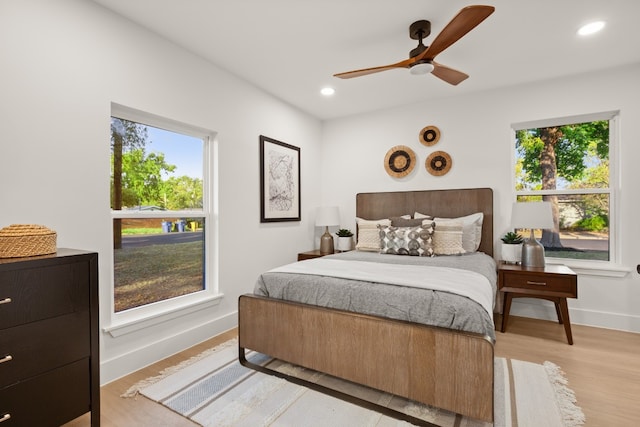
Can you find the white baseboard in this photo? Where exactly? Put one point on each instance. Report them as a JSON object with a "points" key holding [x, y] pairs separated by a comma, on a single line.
{"points": [[545, 310], [111, 370]]}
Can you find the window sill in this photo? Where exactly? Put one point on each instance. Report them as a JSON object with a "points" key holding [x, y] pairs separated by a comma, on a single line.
{"points": [[149, 320], [601, 269]]}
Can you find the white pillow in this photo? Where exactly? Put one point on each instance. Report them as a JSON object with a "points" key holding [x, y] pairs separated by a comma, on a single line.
{"points": [[420, 215], [369, 235], [447, 237], [471, 230]]}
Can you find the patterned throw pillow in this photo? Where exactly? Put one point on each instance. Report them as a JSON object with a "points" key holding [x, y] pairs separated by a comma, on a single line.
{"points": [[447, 238], [414, 241]]}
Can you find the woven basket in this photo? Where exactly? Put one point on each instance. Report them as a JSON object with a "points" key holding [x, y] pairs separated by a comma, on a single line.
{"points": [[22, 240]]}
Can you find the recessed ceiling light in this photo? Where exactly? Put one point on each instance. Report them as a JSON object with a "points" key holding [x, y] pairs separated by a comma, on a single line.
{"points": [[327, 91], [591, 28]]}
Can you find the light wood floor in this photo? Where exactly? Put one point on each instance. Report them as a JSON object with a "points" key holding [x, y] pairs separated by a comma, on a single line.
{"points": [[603, 368]]}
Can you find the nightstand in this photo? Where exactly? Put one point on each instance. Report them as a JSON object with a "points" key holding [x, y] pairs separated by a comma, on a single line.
{"points": [[554, 282], [310, 255]]}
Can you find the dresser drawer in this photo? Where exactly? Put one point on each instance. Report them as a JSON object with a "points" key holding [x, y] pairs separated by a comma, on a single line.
{"points": [[28, 295], [560, 284], [50, 399], [38, 347]]}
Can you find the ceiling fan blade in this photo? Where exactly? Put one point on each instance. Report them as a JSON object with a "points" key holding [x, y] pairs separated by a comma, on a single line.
{"points": [[447, 74], [466, 20], [365, 71]]}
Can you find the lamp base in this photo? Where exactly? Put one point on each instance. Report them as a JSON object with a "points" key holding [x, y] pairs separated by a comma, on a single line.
{"points": [[532, 253], [326, 243]]}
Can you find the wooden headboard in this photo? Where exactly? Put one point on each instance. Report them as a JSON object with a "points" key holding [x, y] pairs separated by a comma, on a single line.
{"points": [[440, 203]]}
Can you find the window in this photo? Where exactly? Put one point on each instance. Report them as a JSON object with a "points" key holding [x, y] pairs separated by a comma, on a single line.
{"points": [[160, 209], [568, 163]]}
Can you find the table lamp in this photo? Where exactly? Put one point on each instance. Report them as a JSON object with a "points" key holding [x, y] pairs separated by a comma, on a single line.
{"points": [[532, 215], [327, 216]]}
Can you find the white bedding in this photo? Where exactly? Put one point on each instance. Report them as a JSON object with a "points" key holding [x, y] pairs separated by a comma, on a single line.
{"points": [[466, 283]]}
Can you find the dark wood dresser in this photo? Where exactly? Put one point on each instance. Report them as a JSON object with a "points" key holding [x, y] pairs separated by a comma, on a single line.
{"points": [[49, 342]]}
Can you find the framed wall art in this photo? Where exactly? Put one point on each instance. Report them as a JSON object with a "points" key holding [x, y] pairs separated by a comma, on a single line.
{"points": [[279, 181]]}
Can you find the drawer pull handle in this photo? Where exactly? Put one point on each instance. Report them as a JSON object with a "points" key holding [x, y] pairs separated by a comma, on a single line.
{"points": [[5, 301], [7, 358], [529, 282], [5, 417]]}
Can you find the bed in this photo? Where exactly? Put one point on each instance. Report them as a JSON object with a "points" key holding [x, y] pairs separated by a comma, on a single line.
{"points": [[447, 363]]}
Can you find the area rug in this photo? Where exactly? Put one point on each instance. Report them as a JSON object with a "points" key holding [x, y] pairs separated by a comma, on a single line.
{"points": [[213, 389]]}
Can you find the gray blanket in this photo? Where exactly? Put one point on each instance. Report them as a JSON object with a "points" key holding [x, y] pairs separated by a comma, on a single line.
{"points": [[417, 305]]}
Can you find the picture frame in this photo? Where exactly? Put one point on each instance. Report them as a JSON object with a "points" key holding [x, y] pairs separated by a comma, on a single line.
{"points": [[279, 181]]}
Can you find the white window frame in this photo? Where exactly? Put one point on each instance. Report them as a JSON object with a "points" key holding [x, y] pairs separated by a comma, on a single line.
{"points": [[137, 318], [612, 267]]}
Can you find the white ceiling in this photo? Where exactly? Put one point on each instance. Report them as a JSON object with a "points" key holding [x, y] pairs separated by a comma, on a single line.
{"points": [[292, 48]]}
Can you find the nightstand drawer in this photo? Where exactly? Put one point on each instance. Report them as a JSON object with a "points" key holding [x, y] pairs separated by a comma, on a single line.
{"points": [[540, 282]]}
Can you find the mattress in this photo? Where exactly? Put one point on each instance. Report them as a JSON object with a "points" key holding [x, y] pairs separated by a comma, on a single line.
{"points": [[424, 305]]}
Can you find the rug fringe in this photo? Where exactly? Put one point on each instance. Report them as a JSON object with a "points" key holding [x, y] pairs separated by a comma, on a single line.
{"points": [[571, 413], [134, 390]]}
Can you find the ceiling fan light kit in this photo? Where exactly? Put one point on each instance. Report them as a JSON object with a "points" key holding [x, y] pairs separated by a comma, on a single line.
{"points": [[421, 59], [421, 68]]}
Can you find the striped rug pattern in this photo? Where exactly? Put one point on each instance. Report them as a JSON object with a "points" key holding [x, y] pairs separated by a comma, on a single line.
{"points": [[213, 389]]}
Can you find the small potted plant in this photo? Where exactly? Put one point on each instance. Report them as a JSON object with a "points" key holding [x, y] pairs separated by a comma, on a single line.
{"points": [[511, 247], [345, 239]]}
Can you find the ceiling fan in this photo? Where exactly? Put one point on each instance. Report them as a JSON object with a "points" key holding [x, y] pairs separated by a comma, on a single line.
{"points": [[421, 59]]}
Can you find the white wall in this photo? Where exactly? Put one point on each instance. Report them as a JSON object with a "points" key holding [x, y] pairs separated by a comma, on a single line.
{"points": [[476, 133], [63, 63]]}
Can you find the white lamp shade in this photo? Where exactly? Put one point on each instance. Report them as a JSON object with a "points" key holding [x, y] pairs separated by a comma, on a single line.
{"points": [[532, 215], [327, 216]]}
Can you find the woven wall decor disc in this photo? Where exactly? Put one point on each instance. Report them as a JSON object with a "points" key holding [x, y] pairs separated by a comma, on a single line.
{"points": [[399, 161], [429, 136], [438, 163]]}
